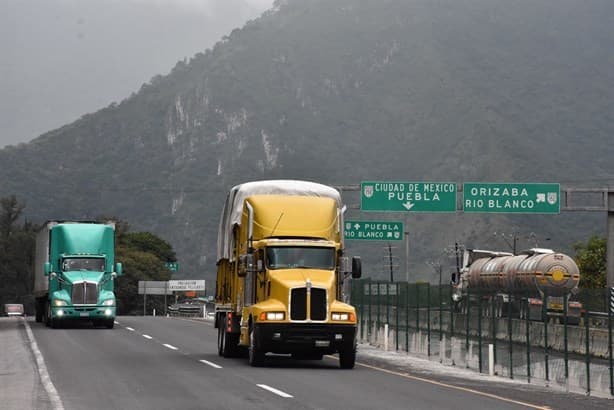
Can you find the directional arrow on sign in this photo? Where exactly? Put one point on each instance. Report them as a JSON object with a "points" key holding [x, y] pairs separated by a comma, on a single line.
{"points": [[408, 205]]}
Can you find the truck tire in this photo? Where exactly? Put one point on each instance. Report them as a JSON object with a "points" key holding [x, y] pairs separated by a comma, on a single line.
{"points": [[50, 321], [39, 309], [347, 358], [220, 340], [255, 354], [227, 343], [47, 315]]}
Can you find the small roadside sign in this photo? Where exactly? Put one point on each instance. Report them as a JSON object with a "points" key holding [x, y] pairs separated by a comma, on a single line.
{"points": [[373, 230], [172, 266], [186, 284]]}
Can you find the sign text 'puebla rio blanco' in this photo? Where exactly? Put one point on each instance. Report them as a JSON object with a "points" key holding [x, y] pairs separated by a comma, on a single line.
{"points": [[374, 231], [408, 196], [512, 198]]}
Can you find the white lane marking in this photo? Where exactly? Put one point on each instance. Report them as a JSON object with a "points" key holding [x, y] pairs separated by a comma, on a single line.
{"points": [[130, 329], [273, 390], [147, 337], [54, 397], [210, 364], [451, 386], [116, 322], [169, 346]]}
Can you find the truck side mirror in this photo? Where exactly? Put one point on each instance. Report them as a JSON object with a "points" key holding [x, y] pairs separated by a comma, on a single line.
{"points": [[47, 268], [118, 269], [356, 267]]}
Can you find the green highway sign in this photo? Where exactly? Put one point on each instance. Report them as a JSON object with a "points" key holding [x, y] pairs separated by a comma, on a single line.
{"points": [[528, 198], [408, 196], [172, 266], [373, 231]]}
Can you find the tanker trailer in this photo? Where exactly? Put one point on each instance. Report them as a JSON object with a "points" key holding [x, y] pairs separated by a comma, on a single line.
{"points": [[518, 283]]}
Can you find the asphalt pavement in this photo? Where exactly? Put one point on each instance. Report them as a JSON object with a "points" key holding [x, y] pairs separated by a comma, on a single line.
{"points": [[21, 386]]}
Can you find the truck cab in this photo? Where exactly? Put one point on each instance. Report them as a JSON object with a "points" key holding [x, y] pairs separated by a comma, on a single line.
{"points": [[280, 288]]}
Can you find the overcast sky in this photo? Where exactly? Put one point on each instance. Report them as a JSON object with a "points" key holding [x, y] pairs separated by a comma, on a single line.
{"points": [[60, 59]]}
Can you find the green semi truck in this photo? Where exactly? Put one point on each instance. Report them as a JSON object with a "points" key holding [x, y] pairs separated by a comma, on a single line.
{"points": [[74, 273]]}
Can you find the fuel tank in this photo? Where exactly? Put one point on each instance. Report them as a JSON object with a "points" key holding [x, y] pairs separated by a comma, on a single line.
{"points": [[533, 271]]}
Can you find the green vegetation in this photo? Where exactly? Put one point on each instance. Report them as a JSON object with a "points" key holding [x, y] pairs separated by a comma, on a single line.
{"points": [[143, 256], [591, 260]]}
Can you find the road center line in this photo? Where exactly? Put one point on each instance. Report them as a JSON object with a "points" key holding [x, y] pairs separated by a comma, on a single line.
{"points": [[273, 390], [169, 346], [147, 337], [451, 386], [210, 364], [130, 329]]}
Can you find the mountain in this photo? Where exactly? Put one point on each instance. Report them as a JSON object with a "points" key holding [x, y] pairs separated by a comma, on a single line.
{"points": [[340, 92]]}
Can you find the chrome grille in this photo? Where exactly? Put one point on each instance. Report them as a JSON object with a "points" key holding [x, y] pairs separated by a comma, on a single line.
{"points": [[84, 293], [298, 304]]}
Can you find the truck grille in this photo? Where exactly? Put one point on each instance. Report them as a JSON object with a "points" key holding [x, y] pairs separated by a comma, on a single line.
{"points": [[298, 304], [318, 304], [84, 293]]}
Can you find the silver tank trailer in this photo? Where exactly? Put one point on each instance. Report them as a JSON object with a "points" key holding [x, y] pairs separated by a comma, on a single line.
{"points": [[536, 270]]}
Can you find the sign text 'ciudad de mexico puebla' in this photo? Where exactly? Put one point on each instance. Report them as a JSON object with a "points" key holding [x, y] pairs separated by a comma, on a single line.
{"points": [[408, 196]]}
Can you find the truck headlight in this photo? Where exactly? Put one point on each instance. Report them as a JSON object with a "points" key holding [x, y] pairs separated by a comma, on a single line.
{"points": [[108, 302], [272, 316], [59, 302], [343, 316]]}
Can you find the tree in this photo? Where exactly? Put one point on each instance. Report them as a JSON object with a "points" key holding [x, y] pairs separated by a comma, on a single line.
{"points": [[16, 252], [591, 260], [143, 256]]}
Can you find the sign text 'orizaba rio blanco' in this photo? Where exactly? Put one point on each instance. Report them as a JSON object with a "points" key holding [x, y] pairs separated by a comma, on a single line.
{"points": [[74, 273], [281, 271]]}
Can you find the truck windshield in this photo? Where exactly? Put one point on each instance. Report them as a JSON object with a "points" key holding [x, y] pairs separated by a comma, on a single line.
{"points": [[91, 264], [300, 257]]}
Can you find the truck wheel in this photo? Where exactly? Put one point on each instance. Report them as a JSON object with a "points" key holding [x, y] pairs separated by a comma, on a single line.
{"points": [[38, 307], [347, 358], [220, 340], [255, 354], [47, 315], [50, 321], [230, 341]]}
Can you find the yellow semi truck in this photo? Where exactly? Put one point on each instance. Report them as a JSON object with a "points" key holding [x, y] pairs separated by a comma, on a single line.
{"points": [[280, 273]]}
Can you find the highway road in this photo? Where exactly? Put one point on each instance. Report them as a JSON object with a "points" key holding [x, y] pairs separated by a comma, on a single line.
{"points": [[170, 363]]}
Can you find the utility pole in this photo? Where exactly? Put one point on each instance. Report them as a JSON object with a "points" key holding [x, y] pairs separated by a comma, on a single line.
{"points": [[610, 241], [390, 263], [406, 256]]}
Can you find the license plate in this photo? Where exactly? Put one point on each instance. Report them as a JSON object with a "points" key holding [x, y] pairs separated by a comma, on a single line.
{"points": [[322, 343], [84, 314]]}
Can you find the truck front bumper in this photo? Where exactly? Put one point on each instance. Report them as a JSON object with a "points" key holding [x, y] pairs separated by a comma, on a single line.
{"points": [[301, 337], [83, 312]]}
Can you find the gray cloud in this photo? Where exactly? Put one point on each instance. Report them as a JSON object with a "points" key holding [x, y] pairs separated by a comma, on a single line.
{"points": [[65, 58]]}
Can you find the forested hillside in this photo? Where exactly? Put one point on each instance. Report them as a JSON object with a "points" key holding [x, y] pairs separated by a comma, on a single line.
{"points": [[339, 92]]}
